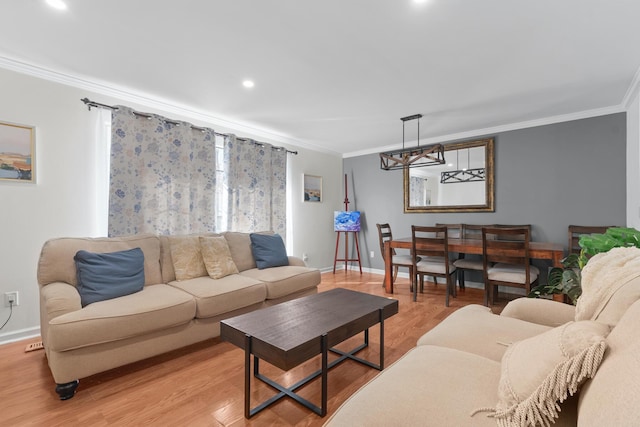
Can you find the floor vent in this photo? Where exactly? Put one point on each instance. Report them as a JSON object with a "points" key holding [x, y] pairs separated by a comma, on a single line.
{"points": [[34, 346]]}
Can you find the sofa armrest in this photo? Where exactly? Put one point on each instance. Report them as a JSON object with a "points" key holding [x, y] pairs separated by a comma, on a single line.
{"points": [[294, 260], [58, 298], [541, 311]]}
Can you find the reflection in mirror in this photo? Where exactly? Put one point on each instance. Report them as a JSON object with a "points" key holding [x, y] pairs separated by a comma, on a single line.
{"points": [[463, 184]]}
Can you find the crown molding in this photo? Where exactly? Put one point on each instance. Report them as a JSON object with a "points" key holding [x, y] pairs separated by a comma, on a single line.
{"points": [[497, 129], [633, 90], [171, 107], [150, 101]]}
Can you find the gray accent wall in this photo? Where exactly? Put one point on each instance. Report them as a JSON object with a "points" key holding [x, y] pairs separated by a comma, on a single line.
{"points": [[549, 176]]}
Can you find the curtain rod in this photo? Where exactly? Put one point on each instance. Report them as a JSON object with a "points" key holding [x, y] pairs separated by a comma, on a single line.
{"points": [[89, 103]]}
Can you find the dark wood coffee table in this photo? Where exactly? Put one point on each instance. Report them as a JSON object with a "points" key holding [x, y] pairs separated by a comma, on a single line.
{"points": [[287, 334]]}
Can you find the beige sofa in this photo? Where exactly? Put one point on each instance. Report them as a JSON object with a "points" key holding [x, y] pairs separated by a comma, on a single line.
{"points": [[464, 371], [165, 315]]}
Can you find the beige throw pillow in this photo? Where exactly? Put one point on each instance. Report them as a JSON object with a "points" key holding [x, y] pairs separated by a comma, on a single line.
{"points": [[217, 257], [540, 372], [187, 258]]}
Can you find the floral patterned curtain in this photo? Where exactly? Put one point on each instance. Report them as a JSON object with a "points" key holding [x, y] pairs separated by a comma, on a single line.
{"points": [[256, 184], [418, 192], [163, 176]]}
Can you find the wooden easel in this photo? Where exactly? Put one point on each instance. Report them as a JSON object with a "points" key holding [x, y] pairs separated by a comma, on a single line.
{"points": [[346, 258]]}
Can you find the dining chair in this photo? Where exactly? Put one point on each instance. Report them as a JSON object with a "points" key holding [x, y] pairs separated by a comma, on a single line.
{"points": [[527, 226], [575, 231], [506, 260], [397, 260], [453, 231], [469, 231], [430, 256]]}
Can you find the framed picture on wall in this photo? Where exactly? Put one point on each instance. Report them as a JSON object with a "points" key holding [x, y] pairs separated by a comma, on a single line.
{"points": [[17, 152], [312, 188]]}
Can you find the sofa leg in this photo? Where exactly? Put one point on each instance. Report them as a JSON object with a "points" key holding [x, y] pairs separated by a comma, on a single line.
{"points": [[67, 390]]}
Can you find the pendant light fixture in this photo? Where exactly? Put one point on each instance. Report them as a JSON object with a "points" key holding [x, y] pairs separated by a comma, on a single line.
{"points": [[463, 175], [412, 157]]}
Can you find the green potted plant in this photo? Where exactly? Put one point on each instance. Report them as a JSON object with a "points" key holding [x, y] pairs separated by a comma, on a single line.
{"points": [[566, 280]]}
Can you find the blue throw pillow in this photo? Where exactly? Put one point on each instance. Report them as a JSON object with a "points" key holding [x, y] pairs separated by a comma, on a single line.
{"points": [[102, 276], [268, 250]]}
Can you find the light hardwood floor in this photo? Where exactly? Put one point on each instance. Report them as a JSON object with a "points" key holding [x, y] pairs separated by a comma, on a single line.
{"points": [[202, 385]]}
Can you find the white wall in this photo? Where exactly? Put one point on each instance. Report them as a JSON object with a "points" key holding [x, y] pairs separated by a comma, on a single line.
{"points": [[312, 221], [62, 201]]}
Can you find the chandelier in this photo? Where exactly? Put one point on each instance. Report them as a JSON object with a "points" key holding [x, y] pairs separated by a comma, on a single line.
{"points": [[412, 157]]}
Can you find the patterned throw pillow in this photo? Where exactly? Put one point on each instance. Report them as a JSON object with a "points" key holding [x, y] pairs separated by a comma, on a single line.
{"points": [[187, 257], [217, 257], [540, 372]]}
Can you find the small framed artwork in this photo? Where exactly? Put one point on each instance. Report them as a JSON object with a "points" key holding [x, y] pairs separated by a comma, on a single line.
{"points": [[312, 188], [17, 152]]}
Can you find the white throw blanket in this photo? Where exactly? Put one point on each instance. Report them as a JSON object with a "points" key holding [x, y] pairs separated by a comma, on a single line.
{"points": [[603, 276]]}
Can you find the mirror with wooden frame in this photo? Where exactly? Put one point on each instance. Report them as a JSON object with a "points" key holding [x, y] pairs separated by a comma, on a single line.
{"points": [[464, 183]]}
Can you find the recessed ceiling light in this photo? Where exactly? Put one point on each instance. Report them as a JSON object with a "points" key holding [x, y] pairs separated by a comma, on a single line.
{"points": [[420, 1], [248, 83], [57, 4]]}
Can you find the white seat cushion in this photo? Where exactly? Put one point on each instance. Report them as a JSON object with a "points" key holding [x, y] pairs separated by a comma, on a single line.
{"points": [[469, 264], [402, 260], [512, 273], [434, 265]]}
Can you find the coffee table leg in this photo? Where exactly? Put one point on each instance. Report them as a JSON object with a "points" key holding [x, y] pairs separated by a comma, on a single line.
{"points": [[325, 369], [381, 339], [352, 353], [247, 376]]}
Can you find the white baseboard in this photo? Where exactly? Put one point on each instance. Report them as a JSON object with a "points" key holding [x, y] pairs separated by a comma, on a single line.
{"points": [[405, 275], [20, 335]]}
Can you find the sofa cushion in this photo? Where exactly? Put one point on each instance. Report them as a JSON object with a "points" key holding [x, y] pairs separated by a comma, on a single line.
{"points": [[611, 397], [240, 247], [152, 309], [433, 386], [217, 257], [268, 250], [187, 257], [539, 371], [219, 296], [475, 329], [102, 276], [282, 281], [56, 262]]}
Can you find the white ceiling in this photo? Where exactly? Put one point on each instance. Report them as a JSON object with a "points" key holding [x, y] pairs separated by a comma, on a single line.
{"points": [[337, 75]]}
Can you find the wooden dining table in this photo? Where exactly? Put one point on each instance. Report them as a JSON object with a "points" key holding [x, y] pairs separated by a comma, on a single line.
{"points": [[537, 250]]}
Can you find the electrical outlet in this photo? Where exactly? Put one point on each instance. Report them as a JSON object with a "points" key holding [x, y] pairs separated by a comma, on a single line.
{"points": [[305, 257], [11, 298], [371, 254]]}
